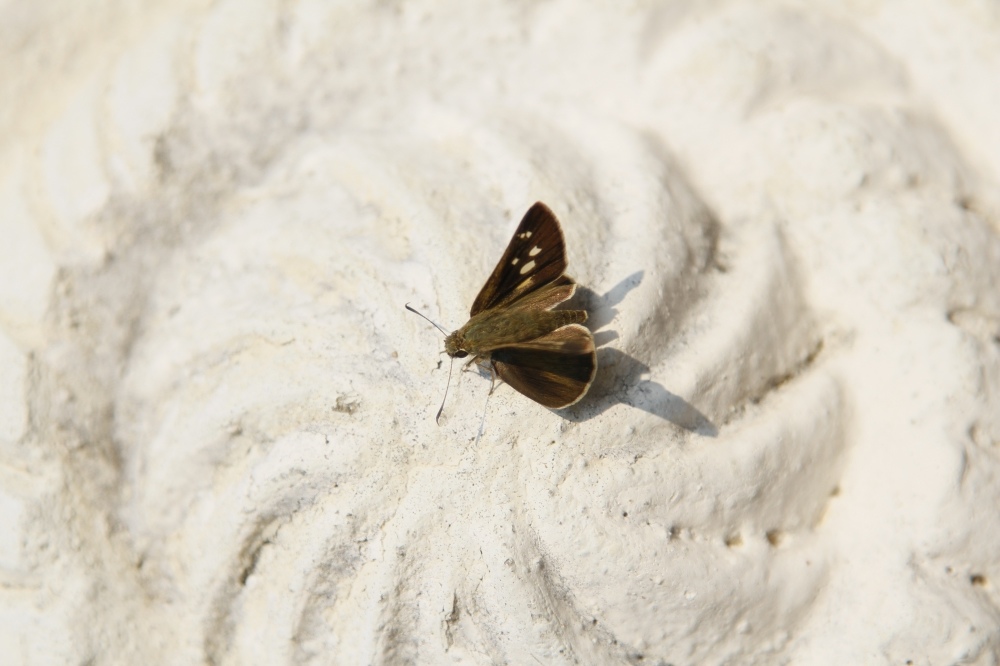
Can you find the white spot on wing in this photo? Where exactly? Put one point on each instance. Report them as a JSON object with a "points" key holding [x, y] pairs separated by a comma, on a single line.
{"points": [[513, 262], [535, 250], [527, 267]]}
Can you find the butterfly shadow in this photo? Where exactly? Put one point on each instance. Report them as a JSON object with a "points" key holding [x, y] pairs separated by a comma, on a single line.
{"points": [[621, 379]]}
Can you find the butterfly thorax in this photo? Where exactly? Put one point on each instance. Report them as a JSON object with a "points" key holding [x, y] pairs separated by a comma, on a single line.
{"points": [[493, 329]]}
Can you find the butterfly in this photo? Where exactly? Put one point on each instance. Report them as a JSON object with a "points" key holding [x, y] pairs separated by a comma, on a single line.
{"points": [[514, 331]]}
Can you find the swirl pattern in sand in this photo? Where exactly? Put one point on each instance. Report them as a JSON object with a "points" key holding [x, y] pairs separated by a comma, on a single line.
{"points": [[218, 438]]}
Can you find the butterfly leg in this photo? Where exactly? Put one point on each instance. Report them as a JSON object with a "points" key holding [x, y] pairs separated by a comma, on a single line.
{"points": [[493, 378], [482, 421], [482, 361]]}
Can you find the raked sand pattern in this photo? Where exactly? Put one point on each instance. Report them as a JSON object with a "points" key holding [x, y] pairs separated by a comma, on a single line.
{"points": [[217, 436]]}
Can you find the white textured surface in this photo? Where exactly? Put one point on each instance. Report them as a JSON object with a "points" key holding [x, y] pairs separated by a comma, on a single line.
{"points": [[216, 427]]}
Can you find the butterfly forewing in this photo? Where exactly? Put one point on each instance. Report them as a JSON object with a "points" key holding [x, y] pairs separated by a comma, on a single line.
{"points": [[535, 257], [555, 370], [547, 297]]}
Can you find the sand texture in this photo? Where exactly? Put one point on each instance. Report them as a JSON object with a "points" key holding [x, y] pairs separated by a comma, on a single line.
{"points": [[217, 433]]}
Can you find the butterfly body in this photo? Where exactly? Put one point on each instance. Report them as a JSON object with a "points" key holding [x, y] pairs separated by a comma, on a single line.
{"points": [[542, 353], [495, 329]]}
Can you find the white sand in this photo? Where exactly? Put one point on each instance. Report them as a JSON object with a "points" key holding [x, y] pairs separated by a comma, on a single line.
{"points": [[217, 441]]}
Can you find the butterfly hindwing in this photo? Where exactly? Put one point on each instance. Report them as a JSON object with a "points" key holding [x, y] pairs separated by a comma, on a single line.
{"points": [[554, 370], [535, 256]]}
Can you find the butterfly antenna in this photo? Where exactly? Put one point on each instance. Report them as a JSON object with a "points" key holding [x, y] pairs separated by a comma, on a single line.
{"points": [[437, 419], [436, 325]]}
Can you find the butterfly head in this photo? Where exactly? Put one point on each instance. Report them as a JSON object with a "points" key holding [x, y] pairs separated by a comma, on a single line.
{"points": [[453, 345]]}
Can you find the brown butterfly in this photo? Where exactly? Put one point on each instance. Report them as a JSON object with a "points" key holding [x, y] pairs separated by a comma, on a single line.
{"points": [[543, 353]]}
